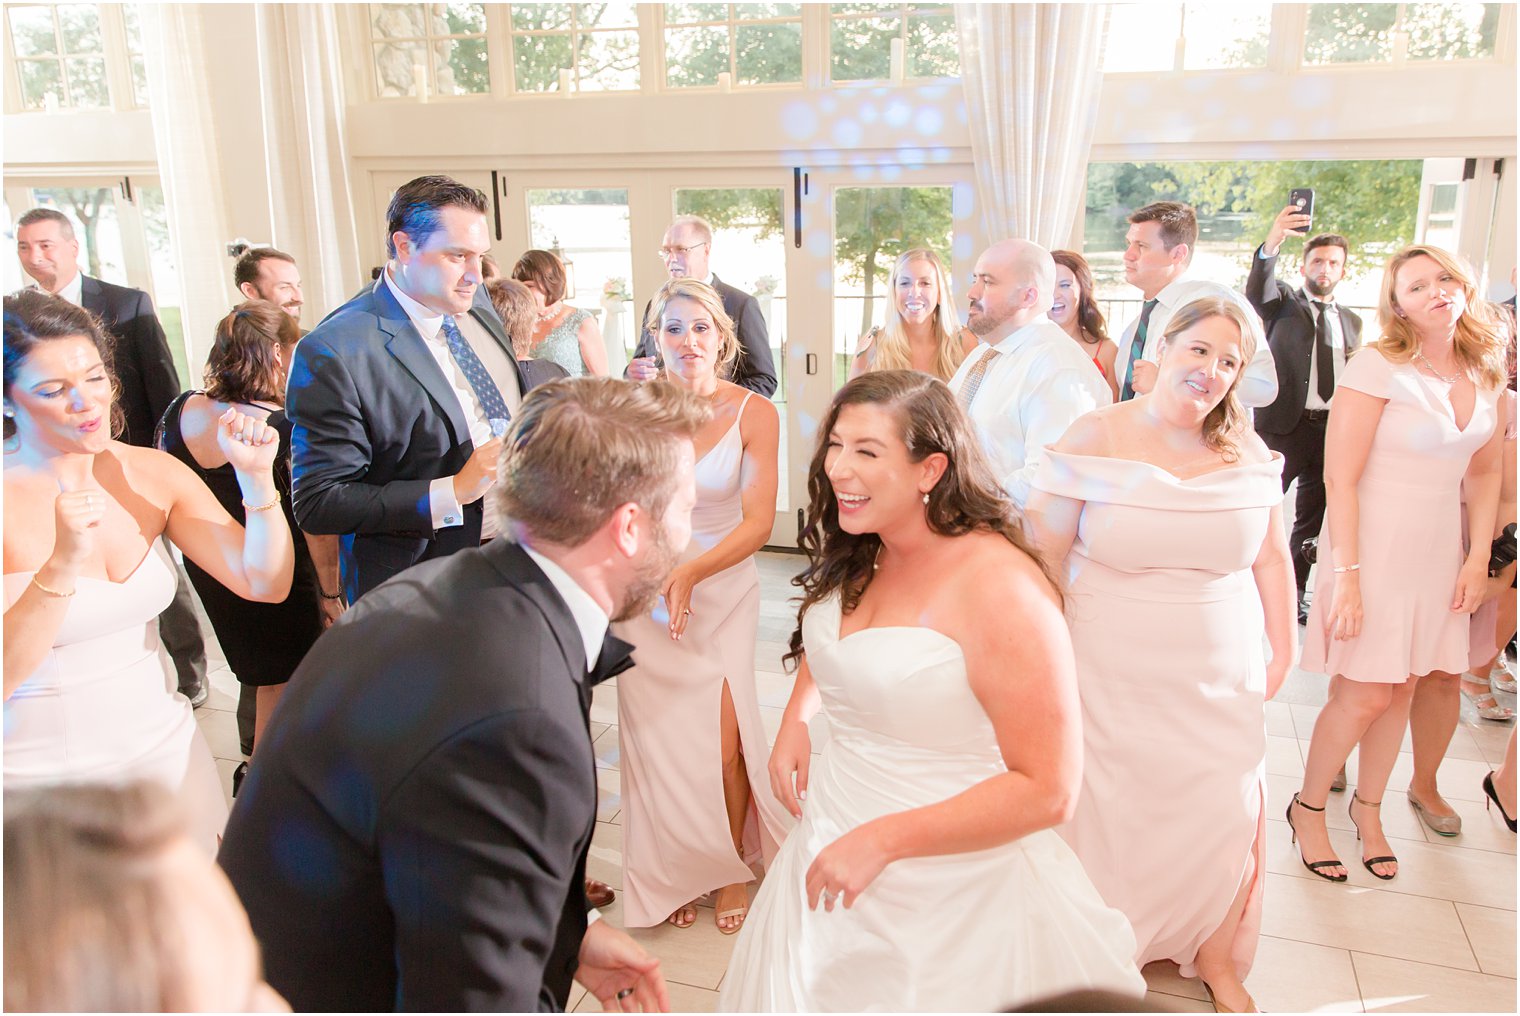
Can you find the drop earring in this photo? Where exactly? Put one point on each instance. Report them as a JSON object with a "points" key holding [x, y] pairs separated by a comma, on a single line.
{"points": [[926, 497]]}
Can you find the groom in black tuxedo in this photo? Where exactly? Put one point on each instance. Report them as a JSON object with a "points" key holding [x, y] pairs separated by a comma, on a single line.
{"points": [[413, 834]]}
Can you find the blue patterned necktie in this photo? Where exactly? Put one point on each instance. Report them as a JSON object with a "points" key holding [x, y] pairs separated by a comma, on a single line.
{"points": [[491, 402], [1136, 350]]}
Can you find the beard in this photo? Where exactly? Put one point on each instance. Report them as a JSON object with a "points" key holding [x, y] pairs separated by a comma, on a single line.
{"points": [[644, 590], [981, 323], [1317, 291]]}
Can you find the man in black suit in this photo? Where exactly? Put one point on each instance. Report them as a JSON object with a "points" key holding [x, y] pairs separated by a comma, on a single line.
{"points": [[415, 830], [1311, 336], [686, 250], [397, 399], [146, 382]]}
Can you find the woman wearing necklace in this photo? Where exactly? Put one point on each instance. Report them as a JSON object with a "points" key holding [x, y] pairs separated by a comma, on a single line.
{"points": [[697, 811], [564, 334], [1077, 313], [922, 332], [1413, 427]]}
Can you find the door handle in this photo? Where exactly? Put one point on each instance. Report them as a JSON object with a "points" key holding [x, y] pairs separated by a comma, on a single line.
{"points": [[812, 363], [496, 200]]}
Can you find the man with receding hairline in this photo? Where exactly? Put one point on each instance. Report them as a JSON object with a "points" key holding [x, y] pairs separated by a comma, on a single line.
{"points": [[1025, 381]]}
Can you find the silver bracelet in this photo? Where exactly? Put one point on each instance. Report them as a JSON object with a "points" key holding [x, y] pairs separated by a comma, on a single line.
{"points": [[1348, 568]]}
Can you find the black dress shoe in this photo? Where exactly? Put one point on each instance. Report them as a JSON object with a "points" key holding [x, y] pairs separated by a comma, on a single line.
{"points": [[599, 894], [1303, 610]]}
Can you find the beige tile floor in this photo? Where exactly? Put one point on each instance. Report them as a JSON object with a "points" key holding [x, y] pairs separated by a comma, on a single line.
{"points": [[1439, 938]]}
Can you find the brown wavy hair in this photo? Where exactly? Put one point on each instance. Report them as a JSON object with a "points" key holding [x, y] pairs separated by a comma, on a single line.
{"points": [[1226, 422], [543, 268], [966, 499], [31, 317], [514, 305], [1088, 314], [1480, 343], [242, 365]]}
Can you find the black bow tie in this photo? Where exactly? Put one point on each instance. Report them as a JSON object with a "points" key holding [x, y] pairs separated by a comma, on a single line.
{"points": [[616, 656]]}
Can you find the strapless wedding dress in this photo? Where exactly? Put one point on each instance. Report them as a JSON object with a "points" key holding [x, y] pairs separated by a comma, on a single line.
{"points": [[979, 931], [102, 707]]}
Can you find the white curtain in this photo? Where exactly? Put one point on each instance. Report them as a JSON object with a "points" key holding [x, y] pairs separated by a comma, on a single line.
{"points": [[1032, 74], [310, 200], [185, 139]]}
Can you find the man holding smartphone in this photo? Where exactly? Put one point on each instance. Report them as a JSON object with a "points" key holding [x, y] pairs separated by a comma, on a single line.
{"points": [[1311, 336]]}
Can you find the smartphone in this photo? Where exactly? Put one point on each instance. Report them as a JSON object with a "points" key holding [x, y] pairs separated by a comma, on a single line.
{"points": [[1303, 199]]}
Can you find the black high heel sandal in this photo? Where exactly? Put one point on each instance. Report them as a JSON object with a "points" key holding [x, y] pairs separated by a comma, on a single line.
{"points": [[1368, 862], [1493, 799], [1317, 867]]}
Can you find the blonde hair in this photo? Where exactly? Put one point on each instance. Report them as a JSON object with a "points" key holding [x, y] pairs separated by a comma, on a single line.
{"points": [[889, 350], [708, 299], [1480, 341], [581, 447], [1226, 422], [91, 918]]}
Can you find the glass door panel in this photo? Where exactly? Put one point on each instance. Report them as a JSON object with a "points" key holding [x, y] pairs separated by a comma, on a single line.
{"points": [[588, 229], [872, 226]]}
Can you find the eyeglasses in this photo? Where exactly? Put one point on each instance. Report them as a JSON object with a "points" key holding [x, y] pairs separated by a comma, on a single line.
{"points": [[666, 253]]}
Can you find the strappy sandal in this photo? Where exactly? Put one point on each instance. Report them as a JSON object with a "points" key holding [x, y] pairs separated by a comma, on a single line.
{"points": [[1484, 702], [738, 912], [1317, 867], [686, 910], [1368, 862]]}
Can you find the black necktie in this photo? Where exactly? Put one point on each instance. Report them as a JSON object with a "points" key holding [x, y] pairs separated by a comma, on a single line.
{"points": [[1136, 349], [1324, 358]]}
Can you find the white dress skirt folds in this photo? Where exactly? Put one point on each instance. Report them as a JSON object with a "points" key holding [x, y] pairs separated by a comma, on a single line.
{"points": [[978, 931]]}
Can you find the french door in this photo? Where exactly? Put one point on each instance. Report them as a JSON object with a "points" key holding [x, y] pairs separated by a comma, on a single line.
{"points": [[813, 244]]}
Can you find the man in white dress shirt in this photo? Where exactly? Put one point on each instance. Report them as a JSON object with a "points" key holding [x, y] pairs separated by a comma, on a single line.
{"points": [[1026, 381], [1158, 249]]}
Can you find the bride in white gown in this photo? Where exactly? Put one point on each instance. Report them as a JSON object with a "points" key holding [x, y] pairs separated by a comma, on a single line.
{"points": [[924, 873]]}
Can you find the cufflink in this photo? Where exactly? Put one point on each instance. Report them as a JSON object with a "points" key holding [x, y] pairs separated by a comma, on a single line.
{"points": [[450, 520]]}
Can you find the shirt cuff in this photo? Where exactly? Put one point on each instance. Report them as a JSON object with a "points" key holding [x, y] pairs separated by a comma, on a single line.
{"points": [[1261, 252], [443, 504], [592, 916]]}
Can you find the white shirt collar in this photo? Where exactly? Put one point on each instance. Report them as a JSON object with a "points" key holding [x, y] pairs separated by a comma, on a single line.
{"points": [[427, 322], [1172, 290], [1020, 335], [73, 292], [588, 614]]}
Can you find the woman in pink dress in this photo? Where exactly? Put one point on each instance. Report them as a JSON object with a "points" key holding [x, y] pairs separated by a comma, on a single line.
{"points": [[696, 806], [1166, 510], [1415, 422]]}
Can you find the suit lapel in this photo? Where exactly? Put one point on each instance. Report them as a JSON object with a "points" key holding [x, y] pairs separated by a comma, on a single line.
{"points": [[90, 296], [518, 568], [405, 343]]}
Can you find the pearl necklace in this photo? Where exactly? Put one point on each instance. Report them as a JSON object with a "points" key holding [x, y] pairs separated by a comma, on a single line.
{"points": [[1420, 355]]}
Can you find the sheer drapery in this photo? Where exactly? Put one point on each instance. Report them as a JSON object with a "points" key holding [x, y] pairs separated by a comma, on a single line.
{"points": [[185, 140], [1032, 74], [311, 204]]}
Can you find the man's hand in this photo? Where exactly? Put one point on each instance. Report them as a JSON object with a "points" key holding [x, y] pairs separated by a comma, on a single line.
{"points": [[1144, 378], [642, 368], [618, 971], [478, 474], [1289, 221]]}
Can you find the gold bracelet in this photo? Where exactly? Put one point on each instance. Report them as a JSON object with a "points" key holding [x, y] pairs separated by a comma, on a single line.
{"points": [[51, 592], [263, 507]]}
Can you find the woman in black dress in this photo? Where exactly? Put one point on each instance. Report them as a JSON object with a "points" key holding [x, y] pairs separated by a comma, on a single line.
{"points": [[264, 642]]}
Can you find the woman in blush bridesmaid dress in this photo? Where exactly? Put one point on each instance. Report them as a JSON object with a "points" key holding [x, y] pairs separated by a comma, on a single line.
{"points": [[1166, 511], [924, 874], [1414, 424], [696, 813], [87, 697]]}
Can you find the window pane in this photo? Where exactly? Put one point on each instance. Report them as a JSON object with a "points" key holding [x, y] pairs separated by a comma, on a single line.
{"points": [[32, 31], [751, 12], [1451, 31], [933, 48], [1142, 37], [872, 226], [461, 19], [1233, 35], [537, 60], [1349, 33], [397, 21], [608, 62], [864, 8], [87, 82], [680, 14], [590, 228], [862, 48], [166, 292], [527, 17], [460, 67], [767, 54], [396, 68], [606, 16], [695, 56], [39, 78], [139, 81], [79, 27]]}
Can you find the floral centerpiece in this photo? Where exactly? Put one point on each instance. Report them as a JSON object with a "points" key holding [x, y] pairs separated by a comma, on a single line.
{"points": [[616, 288]]}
